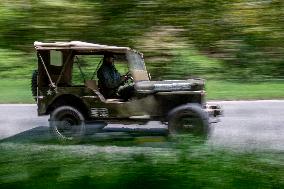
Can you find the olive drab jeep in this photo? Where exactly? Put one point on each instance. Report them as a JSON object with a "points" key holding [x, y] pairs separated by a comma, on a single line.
{"points": [[65, 86]]}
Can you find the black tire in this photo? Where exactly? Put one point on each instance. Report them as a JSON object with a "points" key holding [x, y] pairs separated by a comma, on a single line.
{"points": [[67, 123], [190, 118], [34, 83]]}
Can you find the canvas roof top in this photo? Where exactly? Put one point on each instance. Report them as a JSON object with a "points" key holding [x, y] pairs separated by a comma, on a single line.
{"points": [[78, 45]]}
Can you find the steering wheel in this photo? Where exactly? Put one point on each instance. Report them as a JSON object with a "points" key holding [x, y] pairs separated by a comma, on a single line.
{"points": [[128, 78]]}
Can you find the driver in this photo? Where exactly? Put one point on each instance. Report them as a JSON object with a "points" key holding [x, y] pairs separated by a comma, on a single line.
{"points": [[111, 83]]}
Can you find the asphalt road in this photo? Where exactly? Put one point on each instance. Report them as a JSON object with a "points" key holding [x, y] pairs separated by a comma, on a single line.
{"points": [[245, 124]]}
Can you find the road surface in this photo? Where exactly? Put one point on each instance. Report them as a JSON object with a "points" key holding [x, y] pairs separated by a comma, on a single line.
{"points": [[245, 124]]}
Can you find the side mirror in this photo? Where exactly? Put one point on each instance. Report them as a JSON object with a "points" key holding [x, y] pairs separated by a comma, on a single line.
{"points": [[149, 75]]}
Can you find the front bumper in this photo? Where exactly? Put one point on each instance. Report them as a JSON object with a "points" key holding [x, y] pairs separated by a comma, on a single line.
{"points": [[213, 111]]}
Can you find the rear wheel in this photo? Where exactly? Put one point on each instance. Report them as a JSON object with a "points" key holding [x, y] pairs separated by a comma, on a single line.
{"points": [[67, 123], [188, 119]]}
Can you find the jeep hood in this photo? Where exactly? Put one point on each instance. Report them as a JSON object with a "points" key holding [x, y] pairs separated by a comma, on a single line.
{"points": [[169, 85]]}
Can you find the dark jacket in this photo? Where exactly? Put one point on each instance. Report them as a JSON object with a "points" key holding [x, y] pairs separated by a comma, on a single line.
{"points": [[109, 79]]}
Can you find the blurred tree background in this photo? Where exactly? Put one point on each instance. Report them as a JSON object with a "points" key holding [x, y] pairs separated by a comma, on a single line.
{"points": [[215, 39]]}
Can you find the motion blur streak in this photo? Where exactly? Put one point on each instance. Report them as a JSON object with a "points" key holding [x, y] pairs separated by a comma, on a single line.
{"points": [[245, 150], [185, 162], [240, 41], [236, 39]]}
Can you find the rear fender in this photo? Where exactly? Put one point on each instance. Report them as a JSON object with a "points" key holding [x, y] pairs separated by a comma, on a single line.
{"points": [[68, 100]]}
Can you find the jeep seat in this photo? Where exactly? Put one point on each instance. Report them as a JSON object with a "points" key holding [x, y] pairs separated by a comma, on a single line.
{"points": [[91, 84]]}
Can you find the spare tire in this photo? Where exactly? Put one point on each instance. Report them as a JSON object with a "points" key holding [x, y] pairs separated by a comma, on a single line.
{"points": [[34, 83]]}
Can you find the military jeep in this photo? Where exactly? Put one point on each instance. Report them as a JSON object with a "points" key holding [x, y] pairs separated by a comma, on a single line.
{"points": [[65, 87]]}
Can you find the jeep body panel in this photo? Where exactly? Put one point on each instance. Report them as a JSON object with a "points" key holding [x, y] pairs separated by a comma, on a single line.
{"points": [[154, 105]]}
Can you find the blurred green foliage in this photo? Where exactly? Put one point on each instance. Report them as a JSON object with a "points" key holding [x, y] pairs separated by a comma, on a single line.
{"points": [[186, 162], [210, 38]]}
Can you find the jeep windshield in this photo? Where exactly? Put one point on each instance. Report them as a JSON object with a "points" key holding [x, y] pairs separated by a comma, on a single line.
{"points": [[137, 66], [136, 61]]}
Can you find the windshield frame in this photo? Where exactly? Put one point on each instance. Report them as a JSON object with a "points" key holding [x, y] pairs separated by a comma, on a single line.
{"points": [[137, 66], [136, 60]]}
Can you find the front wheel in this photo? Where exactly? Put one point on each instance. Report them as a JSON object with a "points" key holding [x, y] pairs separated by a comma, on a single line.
{"points": [[67, 123], [188, 119]]}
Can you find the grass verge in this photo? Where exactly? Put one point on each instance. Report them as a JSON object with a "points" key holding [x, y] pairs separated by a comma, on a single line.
{"points": [[15, 91], [18, 91], [181, 164], [238, 90]]}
